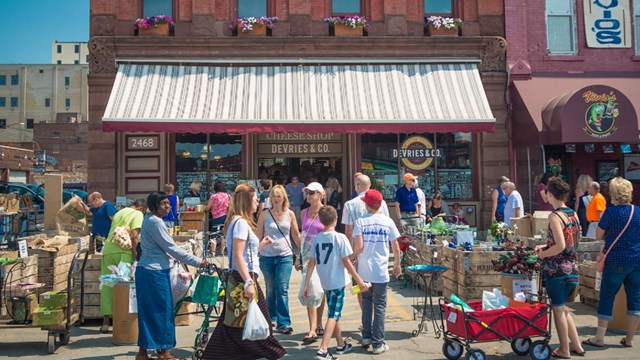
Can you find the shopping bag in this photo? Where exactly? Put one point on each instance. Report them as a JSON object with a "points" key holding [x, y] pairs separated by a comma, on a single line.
{"points": [[315, 290], [180, 280], [256, 326], [206, 290]]}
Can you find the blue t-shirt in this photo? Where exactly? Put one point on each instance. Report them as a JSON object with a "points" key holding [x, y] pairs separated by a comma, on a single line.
{"points": [[502, 201], [101, 222], [173, 214], [627, 250], [407, 199], [295, 194]]}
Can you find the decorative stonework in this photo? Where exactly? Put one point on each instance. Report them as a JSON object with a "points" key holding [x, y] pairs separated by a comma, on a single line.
{"points": [[493, 54], [103, 55], [103, 25]]}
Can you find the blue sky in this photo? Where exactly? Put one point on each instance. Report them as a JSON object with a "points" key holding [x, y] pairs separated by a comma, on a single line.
{"points": [[30, 26]]}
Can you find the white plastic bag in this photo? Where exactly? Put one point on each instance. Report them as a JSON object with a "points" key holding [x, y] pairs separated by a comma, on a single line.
{"points": [[256, 326], [494, 300], [315, 290], [180, 280]]}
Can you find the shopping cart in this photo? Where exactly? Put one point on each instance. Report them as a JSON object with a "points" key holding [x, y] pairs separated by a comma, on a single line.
{"points": [[516, 324]]}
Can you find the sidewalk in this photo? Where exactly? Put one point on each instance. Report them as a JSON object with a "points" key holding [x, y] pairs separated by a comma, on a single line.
{"points": [[87, 342]]}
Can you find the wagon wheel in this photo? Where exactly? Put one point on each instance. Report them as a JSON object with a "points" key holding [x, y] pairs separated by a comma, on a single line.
{"points": [[197, 354], [64, 337], [51, 342], [476, 354], [452, 350], [521, 346], [540, 350], [204, 339]]}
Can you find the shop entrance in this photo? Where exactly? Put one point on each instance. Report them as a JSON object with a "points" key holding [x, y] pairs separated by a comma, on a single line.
{"points": [[308, 169]]}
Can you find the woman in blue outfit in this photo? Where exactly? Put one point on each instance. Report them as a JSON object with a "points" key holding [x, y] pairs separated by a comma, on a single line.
{"points": [[156, 320], [622, 264], [499, 200], [171, 218], [559, 271]]}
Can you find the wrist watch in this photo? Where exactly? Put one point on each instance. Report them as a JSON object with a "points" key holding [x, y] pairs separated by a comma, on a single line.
{"points": [[248, 283]]}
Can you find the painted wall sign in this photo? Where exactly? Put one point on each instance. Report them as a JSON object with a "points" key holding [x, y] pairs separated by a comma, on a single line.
{"points": [[607, 23], [299, 137], [299, 144], [601, 114], [417, 153]]}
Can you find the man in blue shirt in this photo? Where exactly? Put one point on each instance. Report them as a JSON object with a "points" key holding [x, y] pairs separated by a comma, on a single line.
{"points": [[102, 212], [407, 202], [295, 195]]}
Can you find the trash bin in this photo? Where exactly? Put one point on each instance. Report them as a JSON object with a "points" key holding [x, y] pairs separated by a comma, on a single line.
{"points": [[125, 324]]}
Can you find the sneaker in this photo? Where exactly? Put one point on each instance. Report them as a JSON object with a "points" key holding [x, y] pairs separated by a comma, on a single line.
{"points": [[365, 343], [287, 330], [380, 349], [344, 349], [325, 355]]}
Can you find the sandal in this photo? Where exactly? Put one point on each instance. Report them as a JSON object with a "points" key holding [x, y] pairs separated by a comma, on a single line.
{"points": [[591, 343], [555, 354], [104, 329], [319, 331], [142, 357], [623, 342], [576, 353], [309, 339]]}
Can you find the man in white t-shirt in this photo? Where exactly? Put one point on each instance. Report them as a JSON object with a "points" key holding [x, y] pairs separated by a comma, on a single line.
{"points": [[514, 205], [374, 233], [329, 255], [355, 209]]}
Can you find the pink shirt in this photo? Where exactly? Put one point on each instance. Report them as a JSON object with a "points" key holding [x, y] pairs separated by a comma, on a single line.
{"points": [[310, 228], [219, 204]]}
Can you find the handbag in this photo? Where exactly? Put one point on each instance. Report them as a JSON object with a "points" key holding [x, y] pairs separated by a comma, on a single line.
{"points": [[295, 257], [602, 257], [236, 304], [121, 235]]}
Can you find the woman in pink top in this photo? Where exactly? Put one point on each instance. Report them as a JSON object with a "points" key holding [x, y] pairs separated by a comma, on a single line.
{"points": [[311, 226], [218, 204]]}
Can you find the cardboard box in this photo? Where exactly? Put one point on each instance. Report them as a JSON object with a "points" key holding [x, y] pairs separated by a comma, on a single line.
{"points": [[540, 222], [524, 225], [45, 316], [53, 299]]}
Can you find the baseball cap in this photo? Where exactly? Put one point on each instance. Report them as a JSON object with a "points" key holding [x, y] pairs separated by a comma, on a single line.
{"points": [[409, 176], [372, 198], [314, 186]]}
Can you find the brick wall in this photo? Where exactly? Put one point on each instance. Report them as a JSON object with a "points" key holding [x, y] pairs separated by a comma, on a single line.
{"points": [[67, 143]]}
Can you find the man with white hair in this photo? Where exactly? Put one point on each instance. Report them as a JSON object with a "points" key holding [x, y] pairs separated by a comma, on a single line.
{"points": [[514, 206], [595, 209], [355, 208]]}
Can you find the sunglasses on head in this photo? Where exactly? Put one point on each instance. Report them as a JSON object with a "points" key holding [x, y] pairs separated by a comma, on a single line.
{"points": [[311, 192]]}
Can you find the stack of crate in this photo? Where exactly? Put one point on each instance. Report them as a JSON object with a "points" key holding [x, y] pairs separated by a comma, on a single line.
{"points": [[91, 307], [470, 272], [587, 281], [54, 265], [16, 274]]}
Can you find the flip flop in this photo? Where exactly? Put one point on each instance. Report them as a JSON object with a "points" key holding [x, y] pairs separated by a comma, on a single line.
{"points": [[104, 329], [590, 343], [623, 342], [309, 339], [320, 331], [576, 353], [554, 354]]}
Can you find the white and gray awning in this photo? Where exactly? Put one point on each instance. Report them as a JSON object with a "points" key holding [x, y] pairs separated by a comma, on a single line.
{"points": [[351, 98]]}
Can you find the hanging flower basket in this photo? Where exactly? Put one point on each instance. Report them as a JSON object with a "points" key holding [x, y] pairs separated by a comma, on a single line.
{"points": [[159, 25], [253, 26], [443, 26]]}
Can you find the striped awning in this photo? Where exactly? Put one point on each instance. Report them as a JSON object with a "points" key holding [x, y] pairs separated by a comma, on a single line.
{"points": [[351, 98]]}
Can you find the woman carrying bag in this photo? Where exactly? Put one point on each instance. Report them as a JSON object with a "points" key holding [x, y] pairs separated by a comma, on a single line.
{"points": [[620, 229], [242, 285], [276, 260]]}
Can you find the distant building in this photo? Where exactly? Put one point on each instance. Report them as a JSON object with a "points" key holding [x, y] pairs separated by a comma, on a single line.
{"points": [[32, 94], [63, 52]]}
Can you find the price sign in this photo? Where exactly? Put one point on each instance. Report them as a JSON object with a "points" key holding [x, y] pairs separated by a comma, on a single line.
{"points": [[82, 243], [22, 248], [148, 142]]}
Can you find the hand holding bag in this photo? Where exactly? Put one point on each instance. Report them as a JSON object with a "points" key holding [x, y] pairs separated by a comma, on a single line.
{"points": [[121, 234], [256, 327], [602, 257]]}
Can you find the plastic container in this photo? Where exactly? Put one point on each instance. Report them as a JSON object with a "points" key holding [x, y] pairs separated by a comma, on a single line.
{"points": [[125, 324], [355, 290]]}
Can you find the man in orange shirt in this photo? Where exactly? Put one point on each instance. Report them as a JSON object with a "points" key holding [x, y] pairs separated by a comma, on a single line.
{"points": [[596, 208]]}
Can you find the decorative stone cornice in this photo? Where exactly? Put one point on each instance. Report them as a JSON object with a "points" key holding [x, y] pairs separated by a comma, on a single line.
{"points": [[494, 54], [103, 55]]}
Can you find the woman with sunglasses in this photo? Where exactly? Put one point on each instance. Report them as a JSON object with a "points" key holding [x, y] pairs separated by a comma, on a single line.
{"points": [[311, 226]]}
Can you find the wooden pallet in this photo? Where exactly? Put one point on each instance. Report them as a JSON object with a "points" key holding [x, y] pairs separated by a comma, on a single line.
{"points": [[91, 306]]}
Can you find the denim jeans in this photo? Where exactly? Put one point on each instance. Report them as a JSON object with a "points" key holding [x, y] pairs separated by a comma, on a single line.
{"points": [[374, 303], [277, 274], [613, 276]]}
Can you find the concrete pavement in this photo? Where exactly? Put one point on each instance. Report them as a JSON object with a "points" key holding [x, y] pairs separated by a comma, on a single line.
{"points": [[88, 343]]}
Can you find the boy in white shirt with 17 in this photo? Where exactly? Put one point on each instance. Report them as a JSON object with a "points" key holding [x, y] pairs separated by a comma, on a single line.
{"points": [[329, 254]]}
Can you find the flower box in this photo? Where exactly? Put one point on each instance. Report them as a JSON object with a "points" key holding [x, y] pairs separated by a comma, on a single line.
{"points": [[443, 26], [252, 26], [346, 30], [158, 30], [442, 31], [256, 30]]}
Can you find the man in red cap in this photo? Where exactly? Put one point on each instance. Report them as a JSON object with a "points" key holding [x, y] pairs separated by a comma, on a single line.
{"points": [[408, 204], [373, 233]]}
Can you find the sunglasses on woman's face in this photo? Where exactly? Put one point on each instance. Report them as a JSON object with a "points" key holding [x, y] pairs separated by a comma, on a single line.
{"points": [[311, 192]]}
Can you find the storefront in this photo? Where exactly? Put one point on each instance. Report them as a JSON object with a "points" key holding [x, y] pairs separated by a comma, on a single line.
{"points": [[574, 126]]}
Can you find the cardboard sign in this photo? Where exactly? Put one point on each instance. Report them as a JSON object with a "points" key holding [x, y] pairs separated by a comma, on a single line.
{"points": [[525, 286], [22, 249]]}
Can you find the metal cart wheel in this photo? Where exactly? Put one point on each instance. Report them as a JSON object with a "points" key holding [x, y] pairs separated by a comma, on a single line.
{"points": [[51, 342], [64, 337], [521, 346], [476, 354], [452, 350], [203, 339], [540, 350]]}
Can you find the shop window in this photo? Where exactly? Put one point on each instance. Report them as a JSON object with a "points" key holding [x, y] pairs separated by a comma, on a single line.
{"points": [[29, 123], [561, 27], [14, 102], [255, 8], [438, 7], [636, 24], [3, 123], [47, 102], [3, 79], [346, 7], [193, 160], [157, 7], [3, 101], [446, 166]]}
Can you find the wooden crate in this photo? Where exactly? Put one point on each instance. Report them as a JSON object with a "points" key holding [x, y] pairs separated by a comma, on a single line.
{"points": [[587, 281], [470, 273], [91, 307], [18, 275], [54, 266]]}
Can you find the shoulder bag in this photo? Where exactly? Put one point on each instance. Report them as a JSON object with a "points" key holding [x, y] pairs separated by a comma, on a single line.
{"points": [[602, 258], [121, 235], [283, 235]]}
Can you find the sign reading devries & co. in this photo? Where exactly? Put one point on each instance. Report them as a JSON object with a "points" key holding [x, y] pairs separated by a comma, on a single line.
{"points": [[607, 23], [299, 144], [417, 153]]}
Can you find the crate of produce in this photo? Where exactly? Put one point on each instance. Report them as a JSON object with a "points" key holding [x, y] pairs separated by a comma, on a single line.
{"points": [[54, 264]]}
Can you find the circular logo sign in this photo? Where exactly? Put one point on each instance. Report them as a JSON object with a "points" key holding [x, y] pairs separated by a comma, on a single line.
{"points": [[601, 114], [417, 153]]}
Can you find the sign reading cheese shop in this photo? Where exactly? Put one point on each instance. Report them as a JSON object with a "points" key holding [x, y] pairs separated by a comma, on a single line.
{"points": [[417, 153]]}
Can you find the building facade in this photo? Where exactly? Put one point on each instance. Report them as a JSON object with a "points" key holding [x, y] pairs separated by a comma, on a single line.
{"points": [[574, 70], [208, 103], [68, 52]]}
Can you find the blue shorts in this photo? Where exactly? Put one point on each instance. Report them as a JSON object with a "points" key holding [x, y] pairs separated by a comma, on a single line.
{"points": [[559, 290], [335, 302]]}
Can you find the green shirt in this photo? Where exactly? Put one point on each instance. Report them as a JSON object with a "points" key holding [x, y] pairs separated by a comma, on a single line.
{"points": [[122, 218]]}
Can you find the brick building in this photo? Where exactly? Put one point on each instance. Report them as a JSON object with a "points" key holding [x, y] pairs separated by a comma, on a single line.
{"points": [[208, 103], [574, 79]]}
